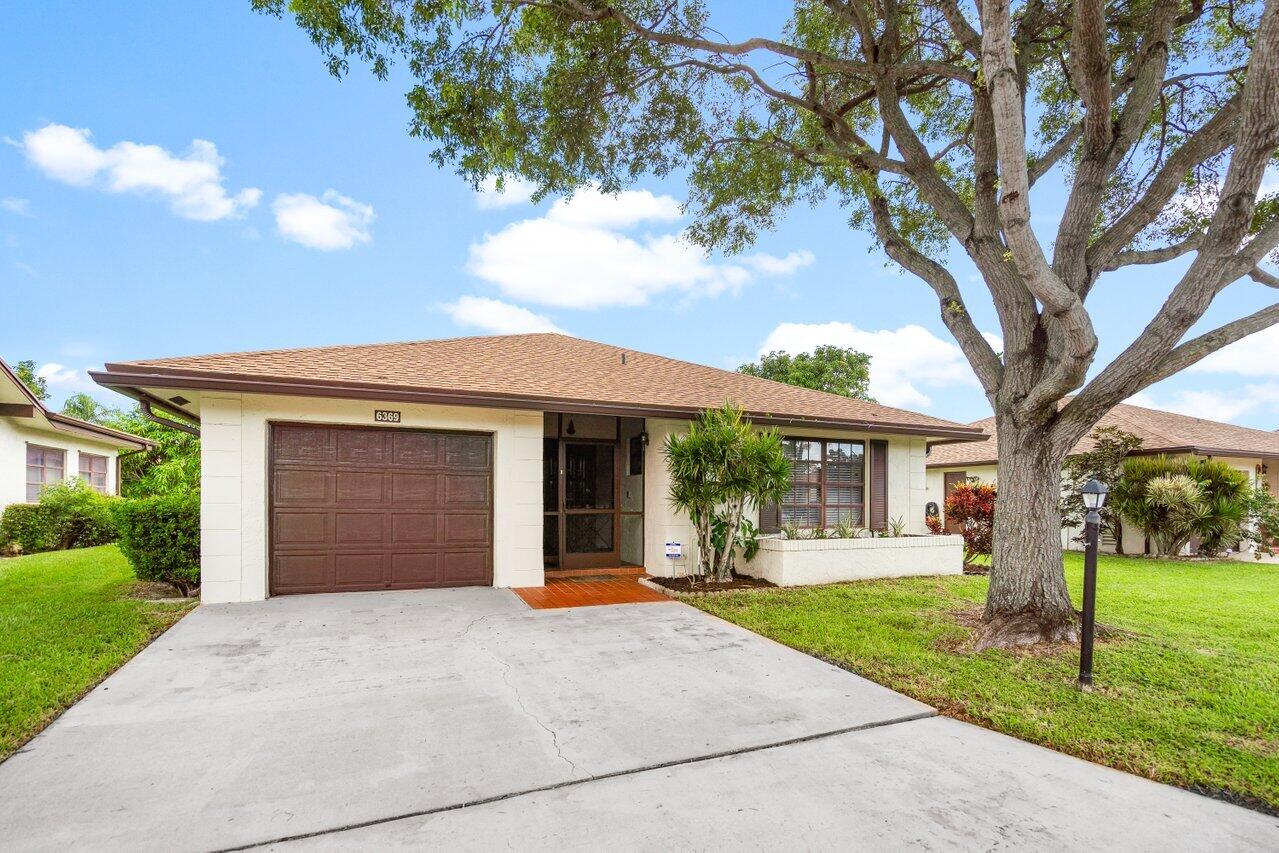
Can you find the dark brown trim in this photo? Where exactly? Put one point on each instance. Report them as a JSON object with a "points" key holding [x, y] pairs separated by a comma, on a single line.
{"points": [[17, 410], [57, 421], [120, 377]]}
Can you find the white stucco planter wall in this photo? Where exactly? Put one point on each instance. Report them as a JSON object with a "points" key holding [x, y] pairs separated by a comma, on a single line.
{"points": [[803, 562]]}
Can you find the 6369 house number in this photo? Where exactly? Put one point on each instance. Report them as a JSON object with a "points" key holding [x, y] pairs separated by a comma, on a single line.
{"points": [[386, 416]]}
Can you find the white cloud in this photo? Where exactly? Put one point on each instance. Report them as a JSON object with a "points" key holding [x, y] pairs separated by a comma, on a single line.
{"points": [[578, 256], [25, 268], [1255, 355], [329, 222], [1227, 405], [498, 317], [20, 206], [514, 191], [193, 183], [771, 265], [58, 374], [903, 361]]}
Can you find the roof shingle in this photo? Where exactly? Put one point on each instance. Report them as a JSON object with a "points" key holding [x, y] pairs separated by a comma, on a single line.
{"points": [[557, 368], [1159, 431]]}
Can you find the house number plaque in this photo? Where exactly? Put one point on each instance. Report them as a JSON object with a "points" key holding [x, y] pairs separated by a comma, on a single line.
{"points": [[386, 416]]}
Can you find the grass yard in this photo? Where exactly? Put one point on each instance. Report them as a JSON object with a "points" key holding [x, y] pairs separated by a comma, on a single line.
{"points": [[1188, 694], [66, 622]]}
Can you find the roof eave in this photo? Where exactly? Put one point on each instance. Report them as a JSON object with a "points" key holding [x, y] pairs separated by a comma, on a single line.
{"points": [[127, 376]]}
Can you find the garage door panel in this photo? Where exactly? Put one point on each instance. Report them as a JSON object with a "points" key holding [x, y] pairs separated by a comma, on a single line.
{"points": [[363, 487], [413, 570], [408, 487], [466, 451], [367, 447], [465, 567], [466, 529], [363, 509], [470, 489], [303, 572], [358, 528], [304, 444], [414, 448], [295, 527], [414, 527], [359, 571], [302, 486]]}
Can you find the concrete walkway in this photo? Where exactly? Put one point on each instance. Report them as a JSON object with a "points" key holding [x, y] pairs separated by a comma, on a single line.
{"points": [[461, 719]]}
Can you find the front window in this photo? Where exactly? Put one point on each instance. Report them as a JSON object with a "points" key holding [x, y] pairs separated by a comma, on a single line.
{"points": [[93, 470], [45, 466], [828, 483]]}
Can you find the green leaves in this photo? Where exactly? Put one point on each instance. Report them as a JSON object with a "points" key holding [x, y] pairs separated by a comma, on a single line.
{"points": [[719, 466], [837, 370]]}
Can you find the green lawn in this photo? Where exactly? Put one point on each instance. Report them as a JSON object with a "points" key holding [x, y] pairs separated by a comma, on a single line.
{"points": [[65, 624], [1188, 694]]}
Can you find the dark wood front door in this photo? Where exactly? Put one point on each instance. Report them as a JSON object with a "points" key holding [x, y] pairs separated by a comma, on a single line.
{"points": [[951, 480], [582, 495], [355, 508]]}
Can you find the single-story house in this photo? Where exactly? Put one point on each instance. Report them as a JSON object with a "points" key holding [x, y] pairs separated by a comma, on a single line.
{"points": [[489, 460], [1253, 451], [39, 447]]}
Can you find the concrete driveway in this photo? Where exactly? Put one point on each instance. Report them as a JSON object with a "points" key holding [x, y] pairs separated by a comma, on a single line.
{"points": [[461, 719]]}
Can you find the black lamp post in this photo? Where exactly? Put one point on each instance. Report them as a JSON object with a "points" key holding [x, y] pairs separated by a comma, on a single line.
{"points": [[1094, 495]]}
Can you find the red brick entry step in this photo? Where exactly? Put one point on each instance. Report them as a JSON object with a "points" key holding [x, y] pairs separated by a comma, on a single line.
{"points": [[589, 588]]}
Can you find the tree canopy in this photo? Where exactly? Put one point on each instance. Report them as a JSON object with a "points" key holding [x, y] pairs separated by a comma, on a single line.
{"points": [[38, 385], [838, 370]]}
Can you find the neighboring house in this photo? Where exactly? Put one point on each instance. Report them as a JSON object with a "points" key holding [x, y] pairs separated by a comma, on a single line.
{"points": [[39, 447], [1253, 451], [478, 461]]}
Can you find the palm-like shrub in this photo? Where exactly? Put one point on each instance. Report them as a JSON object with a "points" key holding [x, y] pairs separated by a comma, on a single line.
{"points": [[1175, 508], [1175, 500], [718, 468]]}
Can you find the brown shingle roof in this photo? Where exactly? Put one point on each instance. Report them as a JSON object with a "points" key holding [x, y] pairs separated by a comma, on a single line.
{"points": [[550, 369], [1159, 431]]}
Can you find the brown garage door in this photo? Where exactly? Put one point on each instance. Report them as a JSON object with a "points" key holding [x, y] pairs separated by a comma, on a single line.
{"points": [[360, 509]]}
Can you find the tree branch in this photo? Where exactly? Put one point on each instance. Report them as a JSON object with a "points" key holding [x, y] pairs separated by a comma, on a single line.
{"points": [[954, 313], [1155, 256], [1186, 354]]}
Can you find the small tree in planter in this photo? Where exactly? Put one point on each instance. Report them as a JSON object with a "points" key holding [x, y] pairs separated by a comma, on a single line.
{"points": [[1105, 462], [973, 506], [718, 468]]}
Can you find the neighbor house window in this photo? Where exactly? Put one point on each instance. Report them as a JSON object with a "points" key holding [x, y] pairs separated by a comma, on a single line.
{"points": [[93, 470], [828, 483], [45, 466]]}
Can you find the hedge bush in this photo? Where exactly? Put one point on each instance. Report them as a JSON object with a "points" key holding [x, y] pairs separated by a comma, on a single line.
{"points": [[69, 515], [161, 538]]}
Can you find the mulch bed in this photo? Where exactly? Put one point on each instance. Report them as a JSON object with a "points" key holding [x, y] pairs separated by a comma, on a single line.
{"points": [[153, 591], [976, 569], [738, 582]]}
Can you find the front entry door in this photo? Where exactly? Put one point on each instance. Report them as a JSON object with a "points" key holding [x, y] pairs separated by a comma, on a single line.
{"points": [[589, 504]]}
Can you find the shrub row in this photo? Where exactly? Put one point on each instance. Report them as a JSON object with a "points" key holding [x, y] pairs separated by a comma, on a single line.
{"points": [[159, 535], [69, 515]]}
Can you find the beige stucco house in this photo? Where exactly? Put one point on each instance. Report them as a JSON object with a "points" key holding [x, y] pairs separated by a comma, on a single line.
{"points": [[490, 460], [1253, 451], [39, 447]]}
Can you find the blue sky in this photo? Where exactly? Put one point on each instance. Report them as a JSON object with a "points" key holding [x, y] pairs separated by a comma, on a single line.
{"points": [[186, 177]]}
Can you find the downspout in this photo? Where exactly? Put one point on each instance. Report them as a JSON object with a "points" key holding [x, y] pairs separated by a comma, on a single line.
{"points": [[166, 422]]}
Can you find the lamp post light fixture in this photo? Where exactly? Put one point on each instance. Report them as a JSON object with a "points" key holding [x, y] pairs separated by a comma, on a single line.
{"points": [[1094, 495]]}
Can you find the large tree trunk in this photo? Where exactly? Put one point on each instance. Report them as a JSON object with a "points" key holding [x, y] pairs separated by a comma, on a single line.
{"points": [[1028, 602]]}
